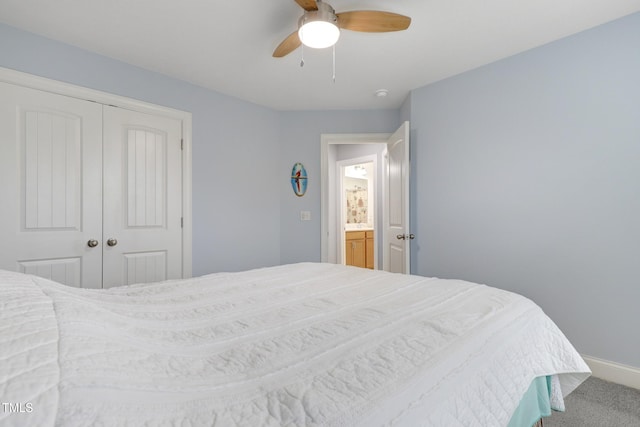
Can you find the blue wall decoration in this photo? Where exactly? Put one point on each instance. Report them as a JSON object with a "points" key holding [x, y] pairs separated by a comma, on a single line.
{"points": [[299, 179]]}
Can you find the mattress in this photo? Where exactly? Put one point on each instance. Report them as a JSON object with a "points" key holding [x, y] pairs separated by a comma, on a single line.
{"points": [[306, 344]]}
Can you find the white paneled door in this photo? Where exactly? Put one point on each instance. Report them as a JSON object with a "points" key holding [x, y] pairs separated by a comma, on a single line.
{"points": [[91, 194], [50, 186], [397, 255], [142, 197]]}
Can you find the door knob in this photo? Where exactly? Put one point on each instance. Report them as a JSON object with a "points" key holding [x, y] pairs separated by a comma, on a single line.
{"points": [[92, 243], [406, 236], [112, 242]]}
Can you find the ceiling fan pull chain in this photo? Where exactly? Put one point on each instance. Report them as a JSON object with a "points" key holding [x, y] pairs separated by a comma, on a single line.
{"points": [[334, 63], [302, 60]]}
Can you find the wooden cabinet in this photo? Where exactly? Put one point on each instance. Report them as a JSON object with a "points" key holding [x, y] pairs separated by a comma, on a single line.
{"points": [[368, 244], [359, 248]]}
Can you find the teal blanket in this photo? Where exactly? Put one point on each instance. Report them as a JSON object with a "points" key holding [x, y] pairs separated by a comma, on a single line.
{"points": [[534, 405]]}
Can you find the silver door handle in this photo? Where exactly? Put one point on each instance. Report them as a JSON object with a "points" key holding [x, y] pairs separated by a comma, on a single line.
{"points": [[112, 242], [406, 236], [92, 243]]}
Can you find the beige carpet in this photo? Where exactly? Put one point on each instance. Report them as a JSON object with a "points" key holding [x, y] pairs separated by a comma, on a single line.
{"points": [[598, 403]]}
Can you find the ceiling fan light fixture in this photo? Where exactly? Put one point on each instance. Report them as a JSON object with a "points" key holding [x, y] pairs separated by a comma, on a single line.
{"points": [[318, 29], [318, 34]]}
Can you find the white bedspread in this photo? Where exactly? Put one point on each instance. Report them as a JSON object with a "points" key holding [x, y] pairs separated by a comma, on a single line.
{"points": [[297, 345]]}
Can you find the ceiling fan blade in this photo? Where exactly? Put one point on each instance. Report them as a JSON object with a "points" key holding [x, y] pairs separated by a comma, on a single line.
{"points": [[372, 21], [307, 4], [288, 45]]}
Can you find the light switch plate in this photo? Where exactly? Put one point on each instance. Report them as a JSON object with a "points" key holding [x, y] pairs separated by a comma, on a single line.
{"points": [[305, 216]]}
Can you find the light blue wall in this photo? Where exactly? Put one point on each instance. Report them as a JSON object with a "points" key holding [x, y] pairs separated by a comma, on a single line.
{"points": [[527, 177], [300, 142], [236, 206]]}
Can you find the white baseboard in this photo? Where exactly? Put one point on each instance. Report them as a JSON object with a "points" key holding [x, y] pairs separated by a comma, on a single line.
{"points": [[614, 372]]}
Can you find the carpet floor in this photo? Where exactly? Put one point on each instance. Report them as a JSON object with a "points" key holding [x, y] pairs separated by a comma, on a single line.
{"points": [[598, 403]]}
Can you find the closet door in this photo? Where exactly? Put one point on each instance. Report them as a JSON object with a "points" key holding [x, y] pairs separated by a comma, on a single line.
{"points": [[51, 186], [142, 197]]}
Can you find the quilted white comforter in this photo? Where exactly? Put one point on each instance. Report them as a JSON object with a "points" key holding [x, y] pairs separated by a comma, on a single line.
{"points": [[297, 345]]}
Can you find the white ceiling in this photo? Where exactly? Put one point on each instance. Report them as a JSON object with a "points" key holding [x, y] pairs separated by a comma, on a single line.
{"points": [[227, 45]]}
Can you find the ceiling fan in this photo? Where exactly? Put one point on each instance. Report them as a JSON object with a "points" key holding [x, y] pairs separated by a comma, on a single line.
{"points": [[320, 25]]}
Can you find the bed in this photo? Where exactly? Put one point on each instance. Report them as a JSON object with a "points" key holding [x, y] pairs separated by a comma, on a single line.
{"points": [[307, 344]]}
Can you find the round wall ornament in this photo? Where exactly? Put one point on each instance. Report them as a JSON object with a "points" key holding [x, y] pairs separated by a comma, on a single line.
{"points": [[299, 179]]}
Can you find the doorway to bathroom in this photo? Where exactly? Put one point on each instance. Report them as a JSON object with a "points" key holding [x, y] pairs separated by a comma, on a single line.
{"points": [[358, 209], [340, 150], [393, 241]]}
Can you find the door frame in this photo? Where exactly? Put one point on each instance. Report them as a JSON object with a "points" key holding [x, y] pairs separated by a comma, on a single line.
{"points": [[66, 89], [328, 227], [340, 199]]}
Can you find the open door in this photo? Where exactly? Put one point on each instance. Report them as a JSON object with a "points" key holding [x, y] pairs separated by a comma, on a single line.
{"points": [[396, 234]]}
